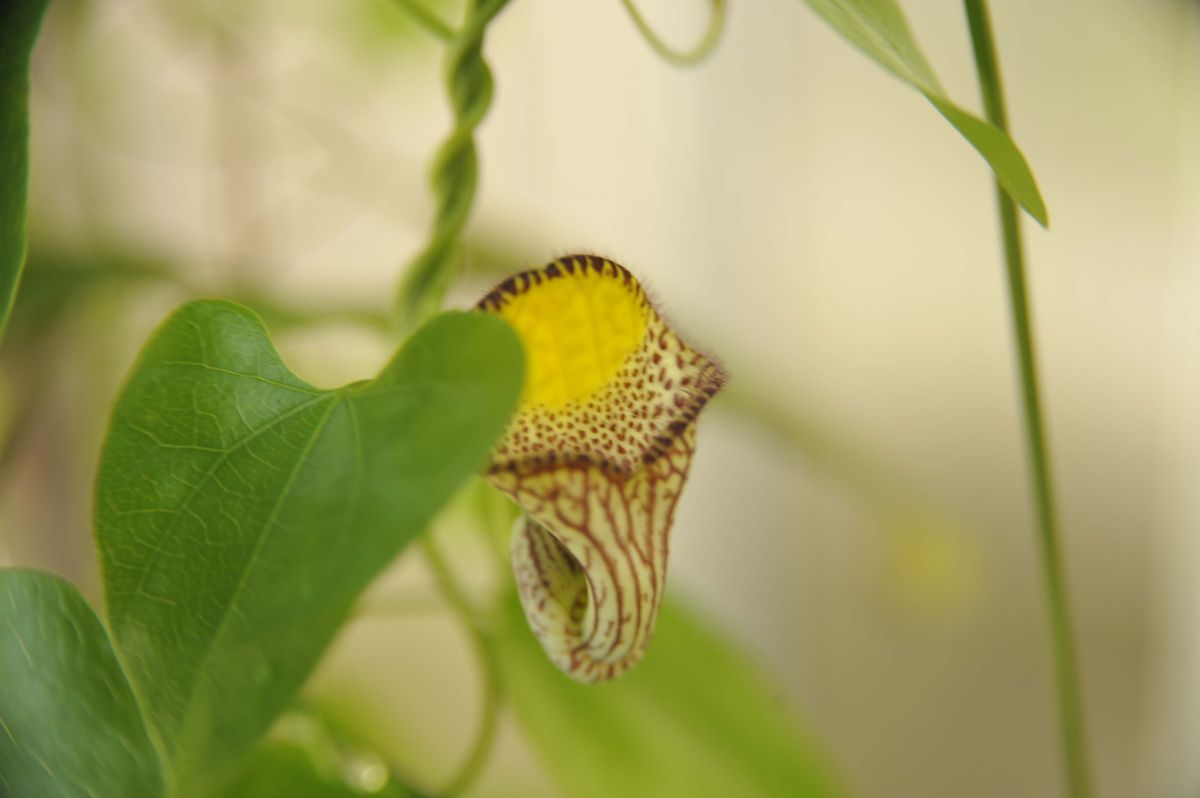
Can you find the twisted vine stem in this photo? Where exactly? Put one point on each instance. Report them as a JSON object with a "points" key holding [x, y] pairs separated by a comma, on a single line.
{"points": [[455, 173], [455, 178]]}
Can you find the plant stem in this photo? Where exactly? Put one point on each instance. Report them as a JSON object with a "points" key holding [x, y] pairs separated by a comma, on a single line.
{"points": [[455, 177], [489, 662], [455, 172], [1070, 703]]}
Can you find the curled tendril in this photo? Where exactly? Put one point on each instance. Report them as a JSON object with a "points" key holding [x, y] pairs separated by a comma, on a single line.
{"points": [[455, 171], [596, 456], [716, 24]]}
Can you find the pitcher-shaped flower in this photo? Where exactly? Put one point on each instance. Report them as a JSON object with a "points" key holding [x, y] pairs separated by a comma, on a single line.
{"points": [[596, 456]]}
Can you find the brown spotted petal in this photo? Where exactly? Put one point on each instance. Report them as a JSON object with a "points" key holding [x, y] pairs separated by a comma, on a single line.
{"points": [[596, 456]]}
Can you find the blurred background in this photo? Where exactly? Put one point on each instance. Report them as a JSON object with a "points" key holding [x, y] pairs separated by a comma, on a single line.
{"points": [[858, 516]]}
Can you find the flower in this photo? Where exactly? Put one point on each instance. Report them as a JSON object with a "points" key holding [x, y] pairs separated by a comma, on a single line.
{"points": [[596, 456]]}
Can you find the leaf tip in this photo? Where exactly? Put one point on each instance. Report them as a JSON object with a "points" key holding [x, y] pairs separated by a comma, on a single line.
{"points": [[1037, 209]]}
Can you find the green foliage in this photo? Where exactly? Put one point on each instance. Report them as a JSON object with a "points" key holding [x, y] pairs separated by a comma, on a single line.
{"points": [[70, 725], [20, 21], [878, 28], [240, 510], [694, 718], [55, 283], [288, 769]]}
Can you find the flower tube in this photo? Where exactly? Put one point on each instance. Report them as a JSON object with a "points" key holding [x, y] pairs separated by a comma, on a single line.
{"points": [[596, 456]]}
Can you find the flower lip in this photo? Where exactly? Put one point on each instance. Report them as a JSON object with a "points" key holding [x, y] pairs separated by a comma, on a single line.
{"points": [[633, 386]]}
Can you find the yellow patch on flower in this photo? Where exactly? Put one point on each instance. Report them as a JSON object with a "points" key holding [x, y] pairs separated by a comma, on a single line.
{"points": [[596, 456], [577, 335]]}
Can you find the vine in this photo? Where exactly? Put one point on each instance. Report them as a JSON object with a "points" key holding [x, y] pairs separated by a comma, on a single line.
{"points": [[455, 173], [455, 177]]}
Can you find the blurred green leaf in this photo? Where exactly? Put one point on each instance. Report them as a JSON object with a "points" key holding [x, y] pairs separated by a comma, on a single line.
{"points": [[879, 29], [378, 30], [55, 281], [240, 510], [692, 719], [70, 724], [20, 21], [288, 769]]}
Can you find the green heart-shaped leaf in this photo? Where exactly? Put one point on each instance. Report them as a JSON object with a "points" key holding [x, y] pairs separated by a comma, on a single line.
{"points": [[240, 510], [69, 724]]}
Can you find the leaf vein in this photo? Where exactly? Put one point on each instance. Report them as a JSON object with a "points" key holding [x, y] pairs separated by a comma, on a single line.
{"points": [[195, 489], [231, 603], [244, 375]]}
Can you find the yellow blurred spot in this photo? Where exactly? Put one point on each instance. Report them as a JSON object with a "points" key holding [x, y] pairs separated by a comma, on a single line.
{"points": [[366, 774], [933, 571], [577, 330]]}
